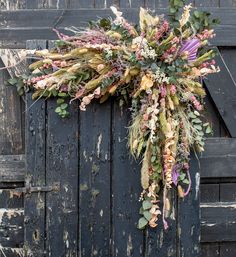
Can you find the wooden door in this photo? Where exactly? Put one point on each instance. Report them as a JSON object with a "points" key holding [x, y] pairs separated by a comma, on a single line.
{"points": [[218, 187], [52, 215], [12, 168]]}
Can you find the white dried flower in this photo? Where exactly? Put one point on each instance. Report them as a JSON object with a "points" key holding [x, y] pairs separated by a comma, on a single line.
{"points": [[148, 52], [185, 15], [160, 76]]}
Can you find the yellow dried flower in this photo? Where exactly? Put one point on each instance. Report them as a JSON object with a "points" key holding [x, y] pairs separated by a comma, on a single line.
{"points": [[146, 82]]}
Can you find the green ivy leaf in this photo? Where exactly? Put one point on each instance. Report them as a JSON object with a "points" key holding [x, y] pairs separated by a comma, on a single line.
{"points": [[182, 176], [198, 127], [153, 158], [62, 94], [197, 120], [208, 130], [147, 215], [186, 181], [141, 210], [64, 106], [147, 205], [192, 115], [60, 101], [142, 223], [12, 81], [58, 110]]}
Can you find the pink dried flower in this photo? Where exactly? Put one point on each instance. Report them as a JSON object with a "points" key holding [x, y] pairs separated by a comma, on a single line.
{"points": [[163, 91], [206, 34], [145, 117], [172, 89]]}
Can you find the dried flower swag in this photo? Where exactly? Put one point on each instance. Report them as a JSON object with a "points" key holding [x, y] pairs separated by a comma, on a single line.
{"points": [[158, 66]]}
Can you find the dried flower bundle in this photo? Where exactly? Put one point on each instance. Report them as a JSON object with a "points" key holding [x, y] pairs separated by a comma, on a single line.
{"points": [[157, 65]]}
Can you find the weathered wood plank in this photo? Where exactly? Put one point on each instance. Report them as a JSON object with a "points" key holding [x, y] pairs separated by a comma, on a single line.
{"points": [[35, 169], [99, 4], [11, 252], [209, 193], [131, 4], [11, 227], [14, 28], [11, 138], [94, 181], [12, 168], [62, 168], [11, 20], [47, 4], [228, 192], [219, 158], [12, 5], [219, 147], [212, 116], [210, 250], [223, 97], [9, 198], [218, 222], [127, 240], [227, 3], [158, 241], [207, 3], [228, 249], [14, 59], [82, 4], [188, 216]]}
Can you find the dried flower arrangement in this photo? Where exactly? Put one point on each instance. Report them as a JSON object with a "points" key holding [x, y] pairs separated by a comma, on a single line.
{"points": [[158, 66]]}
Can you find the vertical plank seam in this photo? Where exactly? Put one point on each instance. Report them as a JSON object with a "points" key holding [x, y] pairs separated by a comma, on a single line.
{"points": [[45, 171], [78, 193], [111, 245]]}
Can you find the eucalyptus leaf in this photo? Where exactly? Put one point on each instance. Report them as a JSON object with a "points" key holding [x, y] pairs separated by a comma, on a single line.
{"points": [[142, 223], [147, 215], [147, 205]]}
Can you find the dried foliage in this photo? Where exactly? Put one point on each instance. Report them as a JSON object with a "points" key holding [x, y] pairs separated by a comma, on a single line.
{"points": [[159, 66]]}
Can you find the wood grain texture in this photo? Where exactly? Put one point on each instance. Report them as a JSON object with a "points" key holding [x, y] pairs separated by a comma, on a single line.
{"points": [[62, 168], [218, 222], [223, 97], [35, 170], [218, 158], [212, 115], [131, 3], [12, 168], [9, 198], [11, 134], [12, 252], [12, 4], [127, 240], [94, 181], [210, 250], [160, 242], [13, 59], [207, 3], [14, 30], [228, 192], [228, 249], [210, 193], [227, 3], [11, 227], [188, 215]]}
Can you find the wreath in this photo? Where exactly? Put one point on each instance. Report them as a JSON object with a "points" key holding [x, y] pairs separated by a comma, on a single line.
{"points": [[158, 67]]}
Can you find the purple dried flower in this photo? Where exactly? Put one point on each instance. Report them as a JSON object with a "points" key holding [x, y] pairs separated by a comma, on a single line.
{"points": [[175, 176], [190, 47]]}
